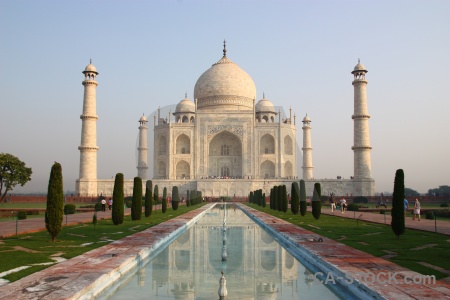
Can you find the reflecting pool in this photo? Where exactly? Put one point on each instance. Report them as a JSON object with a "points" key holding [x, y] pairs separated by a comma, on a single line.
{"points": [[224, 239]]}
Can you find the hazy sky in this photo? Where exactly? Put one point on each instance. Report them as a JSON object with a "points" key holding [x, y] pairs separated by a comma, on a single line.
{"points": [[300, 53]]}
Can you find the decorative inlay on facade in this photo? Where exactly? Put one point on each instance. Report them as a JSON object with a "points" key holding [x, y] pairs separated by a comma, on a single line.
{"points": [[225, 100], [269, 132], [360, 116], [236, 129], [84, 117]]}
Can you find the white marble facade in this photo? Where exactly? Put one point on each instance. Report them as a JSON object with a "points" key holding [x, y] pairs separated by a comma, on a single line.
{"points": [[226, 143]]}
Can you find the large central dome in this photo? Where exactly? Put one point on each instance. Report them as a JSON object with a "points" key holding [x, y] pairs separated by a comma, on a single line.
{"points": [[225, 86]]}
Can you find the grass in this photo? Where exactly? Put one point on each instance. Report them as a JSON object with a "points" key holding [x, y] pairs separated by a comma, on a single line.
{"points": [[36, 248], [377, 239]]}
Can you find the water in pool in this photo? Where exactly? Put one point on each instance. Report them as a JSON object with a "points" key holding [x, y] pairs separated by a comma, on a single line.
{"points": [[254, 264]]}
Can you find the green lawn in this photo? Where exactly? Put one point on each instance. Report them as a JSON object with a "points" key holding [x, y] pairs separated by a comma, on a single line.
{"points": [[72, 241], [378, 239]]}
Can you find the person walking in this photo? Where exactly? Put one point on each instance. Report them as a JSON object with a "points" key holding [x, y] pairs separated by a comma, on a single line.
{"points": [[103, 205], [416, 210], [109, 203], [406, 204], [343, 203], [332, 203]]}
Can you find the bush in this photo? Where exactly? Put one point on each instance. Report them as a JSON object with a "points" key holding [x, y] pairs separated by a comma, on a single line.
{"points": [[117, 213], [382, 212], [69, 209], [21, 215], [429, 215], [98, 206], [360, 199], [352, 207], [32, 212], [442, 213], [444, 205], [129, 203]]}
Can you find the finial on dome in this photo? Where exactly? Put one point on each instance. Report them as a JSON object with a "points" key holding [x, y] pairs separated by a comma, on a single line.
{"points": [[90, 60], [358, 61], [224, 48], [185, 95], [264, 95]]}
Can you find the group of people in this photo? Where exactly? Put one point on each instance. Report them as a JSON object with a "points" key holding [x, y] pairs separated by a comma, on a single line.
{"points": [[342, 204], [416, 211], [104, 202]]}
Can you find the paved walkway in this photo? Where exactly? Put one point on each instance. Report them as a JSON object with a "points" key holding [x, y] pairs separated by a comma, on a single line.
{"points": [[375, 217]]}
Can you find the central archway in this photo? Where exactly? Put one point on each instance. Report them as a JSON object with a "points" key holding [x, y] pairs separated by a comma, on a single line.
{"points": [[225, 156]]}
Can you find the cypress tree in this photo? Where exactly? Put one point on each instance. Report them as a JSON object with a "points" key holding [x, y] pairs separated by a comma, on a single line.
{"points": [[148, 198], [188, 199], [118, 200], [156, 194], [136, 206], [316, 203], [250, 197], [175, 198], [398, 207], [55, 202], [280, 198], [270, 198], [164, 200], [295, 198], [264, 200], [302, 197], [284, 198]]}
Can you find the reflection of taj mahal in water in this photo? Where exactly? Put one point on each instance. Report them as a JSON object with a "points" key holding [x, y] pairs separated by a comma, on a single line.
{"points": [[225, 143], [257, 267]]}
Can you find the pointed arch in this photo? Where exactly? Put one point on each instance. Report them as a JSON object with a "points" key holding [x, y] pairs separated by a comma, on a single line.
{"points": [[183, 144], [267, 144], [267, 170], [288, 145]]}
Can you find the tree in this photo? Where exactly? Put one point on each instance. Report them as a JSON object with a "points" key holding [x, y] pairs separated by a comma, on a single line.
{"points": [[398, 206], [264, 200], [156, 194], [175, 198], [284, 199], [164, 201], [118, 200], [295, 198], [55, 202], [148, 198], [188, 199], [136, 206], [250, 197], [302, 197], [12, 172], [443, 190], [316, 204], [411, 193]]}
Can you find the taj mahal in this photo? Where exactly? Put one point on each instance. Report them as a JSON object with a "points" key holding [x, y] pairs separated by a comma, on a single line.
{"points": [[225, 142]]}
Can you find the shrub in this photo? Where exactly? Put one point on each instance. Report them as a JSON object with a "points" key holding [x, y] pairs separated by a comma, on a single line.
{"points": [[398, 209], [156, 194], [188, 199], [69, 209], [136, 206], [32, 212], [284, 200], [316, 204], [117, 213], [360, 199], [352, 207], [98, 206], [442, 213], [21, 215], [175, 198], [148, 198], [444, 205], [382, 212], [302, 198], [429, 215], [164, 201], [55, 202], [129, 203]]}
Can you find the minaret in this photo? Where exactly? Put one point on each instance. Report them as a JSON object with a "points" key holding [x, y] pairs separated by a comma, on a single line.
{"points": [[142, 149], [87, 182], [361, 138], [307, 149]]}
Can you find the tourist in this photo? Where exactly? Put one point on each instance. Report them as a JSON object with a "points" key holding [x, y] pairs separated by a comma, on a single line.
{"points": [[332, 203], [406, 204], [103, 205], [416, 210], [343, 203], [110, 203]]}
